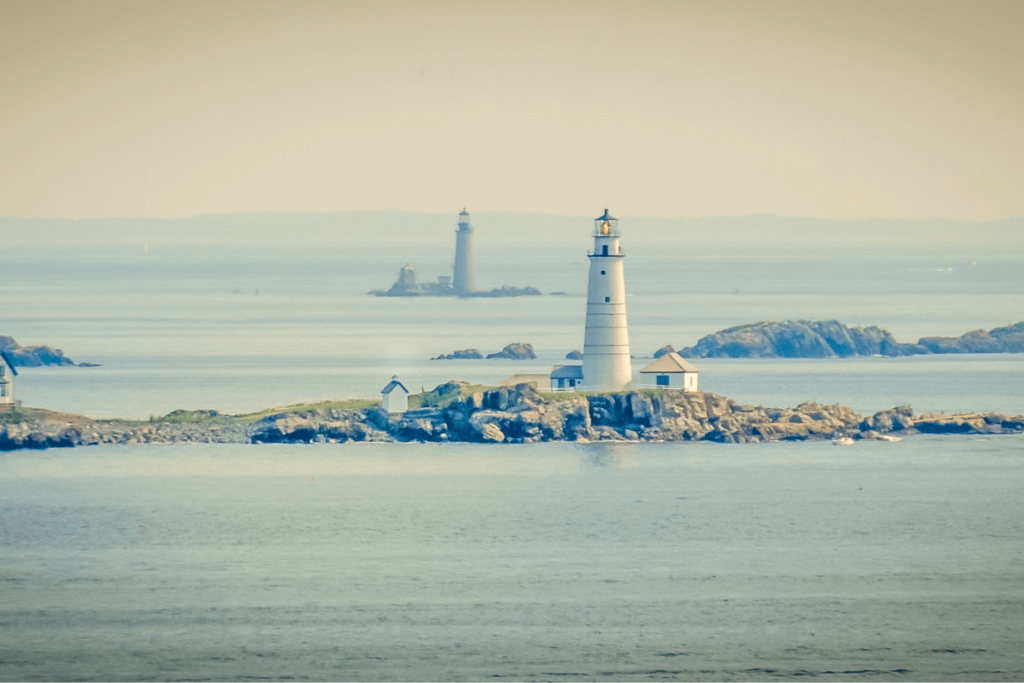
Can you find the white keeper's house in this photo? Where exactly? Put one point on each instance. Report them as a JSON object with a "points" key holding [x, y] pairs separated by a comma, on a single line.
{"points": [[566, 378], [671, 371], [7, 375]]}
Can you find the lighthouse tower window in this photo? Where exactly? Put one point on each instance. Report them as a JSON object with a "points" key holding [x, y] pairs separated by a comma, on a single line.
{"points": [[604, 250], [607, 299]]}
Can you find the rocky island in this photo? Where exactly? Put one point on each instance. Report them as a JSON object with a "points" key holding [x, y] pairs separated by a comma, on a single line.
{"points": [[832, 339], [514, 351], [406, 285], [460, 412], [35, 356]]}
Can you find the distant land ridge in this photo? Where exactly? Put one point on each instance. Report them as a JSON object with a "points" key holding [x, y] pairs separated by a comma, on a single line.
{"points": [[833, 339]]}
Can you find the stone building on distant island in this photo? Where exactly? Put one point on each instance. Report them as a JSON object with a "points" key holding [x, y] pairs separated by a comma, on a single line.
{"points": [[461, 283]]}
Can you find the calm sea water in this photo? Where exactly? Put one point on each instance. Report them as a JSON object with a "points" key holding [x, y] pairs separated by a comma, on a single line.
{"points": [[546, 562], [552, 561]]}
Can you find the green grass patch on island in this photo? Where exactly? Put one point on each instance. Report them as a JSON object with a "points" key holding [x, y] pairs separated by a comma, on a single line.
{"points": [[347, 404], [16, 416]]}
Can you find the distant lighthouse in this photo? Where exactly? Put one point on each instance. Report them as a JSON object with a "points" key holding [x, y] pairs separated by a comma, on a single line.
{"points": [[464, 281], [606, 364]]}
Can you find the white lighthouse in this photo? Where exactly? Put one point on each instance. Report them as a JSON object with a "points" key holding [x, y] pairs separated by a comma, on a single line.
{"points": [[606, 364], [464, 282]]}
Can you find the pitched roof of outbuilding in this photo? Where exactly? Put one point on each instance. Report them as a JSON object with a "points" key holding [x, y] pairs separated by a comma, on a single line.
{"points": [[567, 372], [670, 362], [391, 387], [9, 361]]}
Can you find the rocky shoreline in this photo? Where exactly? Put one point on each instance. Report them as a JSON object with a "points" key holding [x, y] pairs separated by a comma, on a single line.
{"points": [[453, 412]]}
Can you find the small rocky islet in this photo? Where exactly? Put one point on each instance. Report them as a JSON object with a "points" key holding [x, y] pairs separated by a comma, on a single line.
{"points": [[460, 412], [513, 351]]}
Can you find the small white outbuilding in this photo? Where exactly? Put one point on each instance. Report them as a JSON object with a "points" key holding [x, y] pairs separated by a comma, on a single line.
{"points": [[671, 371], [7, 375], [395, 397]]}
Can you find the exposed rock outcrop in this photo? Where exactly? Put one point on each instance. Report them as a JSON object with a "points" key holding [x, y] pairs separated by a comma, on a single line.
{"points": [[465, 354], [969, 423], [515, 351], [34, 356], [1009, 339], [830, 339], [796, 339]]}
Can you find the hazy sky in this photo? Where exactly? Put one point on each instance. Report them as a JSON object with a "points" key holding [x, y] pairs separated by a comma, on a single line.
{"points": [[828, 109]]}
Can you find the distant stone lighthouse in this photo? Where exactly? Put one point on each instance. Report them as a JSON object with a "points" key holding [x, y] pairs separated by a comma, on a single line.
{"points": [[464, 282], [606, 364]]}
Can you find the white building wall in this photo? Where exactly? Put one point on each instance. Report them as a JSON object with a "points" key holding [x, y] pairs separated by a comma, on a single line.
{"points": [[684, 381], [650, 380], [6, 387], [395, 402], [690, 381], [606, 361]]}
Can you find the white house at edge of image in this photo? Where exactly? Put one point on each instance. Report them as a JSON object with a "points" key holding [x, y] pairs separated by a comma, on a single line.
{"points": [[7, 375], [671, 371], [395, 397]]}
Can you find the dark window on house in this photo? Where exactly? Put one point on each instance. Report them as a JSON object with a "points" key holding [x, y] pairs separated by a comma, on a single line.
{"points": [[662, 380], [3, 368], [607, 299], [604, 250], [3, 389]]}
